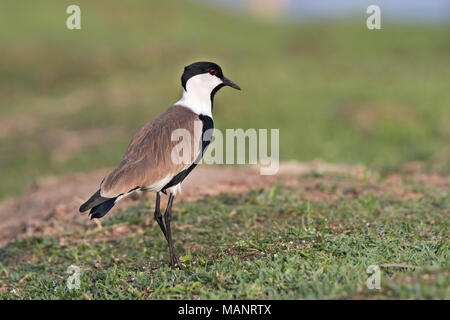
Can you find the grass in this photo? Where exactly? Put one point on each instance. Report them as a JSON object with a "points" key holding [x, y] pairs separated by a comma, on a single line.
{"points": [[71, 100], [335, 90], [266, 244]]}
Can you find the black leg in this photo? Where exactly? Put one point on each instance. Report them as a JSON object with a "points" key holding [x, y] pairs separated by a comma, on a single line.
{"points": [[173, 256], [158, 215]]}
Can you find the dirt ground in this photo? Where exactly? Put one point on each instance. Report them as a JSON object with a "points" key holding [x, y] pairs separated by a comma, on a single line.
{"points": [[50, 207]]}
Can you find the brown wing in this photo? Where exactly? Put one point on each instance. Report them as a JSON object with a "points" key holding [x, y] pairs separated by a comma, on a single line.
{"points": [[147, 160]]}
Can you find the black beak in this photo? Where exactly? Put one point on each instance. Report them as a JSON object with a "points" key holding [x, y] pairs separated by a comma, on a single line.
{"points": [[230, 83]]}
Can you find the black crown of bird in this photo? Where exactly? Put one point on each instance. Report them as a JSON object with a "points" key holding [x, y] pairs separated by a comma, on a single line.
{"points": [[147, 163]]}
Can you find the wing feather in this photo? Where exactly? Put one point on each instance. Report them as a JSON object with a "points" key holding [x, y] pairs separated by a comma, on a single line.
{"points": [[147, 160]]}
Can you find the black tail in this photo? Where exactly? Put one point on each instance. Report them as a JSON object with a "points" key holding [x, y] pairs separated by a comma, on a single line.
{"points": [[99, 205], [102, 209]]}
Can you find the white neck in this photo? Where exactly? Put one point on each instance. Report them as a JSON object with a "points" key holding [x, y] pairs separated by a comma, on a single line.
{"points": [[200, 104], [197, 95]]}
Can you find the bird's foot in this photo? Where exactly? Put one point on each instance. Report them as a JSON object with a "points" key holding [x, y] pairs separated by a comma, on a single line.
{"points": [[175, 261]]}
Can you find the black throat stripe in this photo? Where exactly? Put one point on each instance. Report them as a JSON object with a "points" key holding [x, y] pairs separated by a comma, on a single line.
{"points": [[205, 141]]}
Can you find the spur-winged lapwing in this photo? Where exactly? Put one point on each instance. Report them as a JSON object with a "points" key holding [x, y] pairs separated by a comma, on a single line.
{"points": [[148, 164]]}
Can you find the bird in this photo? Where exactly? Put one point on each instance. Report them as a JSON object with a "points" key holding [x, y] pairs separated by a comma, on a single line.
{"points": [[148, 163]]}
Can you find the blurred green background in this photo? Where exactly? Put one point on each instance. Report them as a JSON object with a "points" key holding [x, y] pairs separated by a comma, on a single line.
{"points": [[71, 100]]}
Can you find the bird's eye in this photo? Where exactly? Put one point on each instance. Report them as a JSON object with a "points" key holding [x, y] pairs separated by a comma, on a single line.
{"points": [[212, 72]]}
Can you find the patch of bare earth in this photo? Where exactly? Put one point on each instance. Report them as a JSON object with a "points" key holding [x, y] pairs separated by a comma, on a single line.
{"points": [[51, 206]]}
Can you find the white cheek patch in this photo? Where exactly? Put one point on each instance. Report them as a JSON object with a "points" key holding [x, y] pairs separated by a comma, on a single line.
{"points": [[197, 96], [202, 82]]}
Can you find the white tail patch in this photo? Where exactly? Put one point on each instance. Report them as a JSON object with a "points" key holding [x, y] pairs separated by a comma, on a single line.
{"points": [[175, 189], [123, 196]]}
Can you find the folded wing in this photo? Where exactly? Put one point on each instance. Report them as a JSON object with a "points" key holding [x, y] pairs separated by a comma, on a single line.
{"points": [[148, 160]]}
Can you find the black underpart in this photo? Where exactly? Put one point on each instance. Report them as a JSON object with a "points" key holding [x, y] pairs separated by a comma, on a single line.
{"points": [[199, 68], [207, 132]]}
